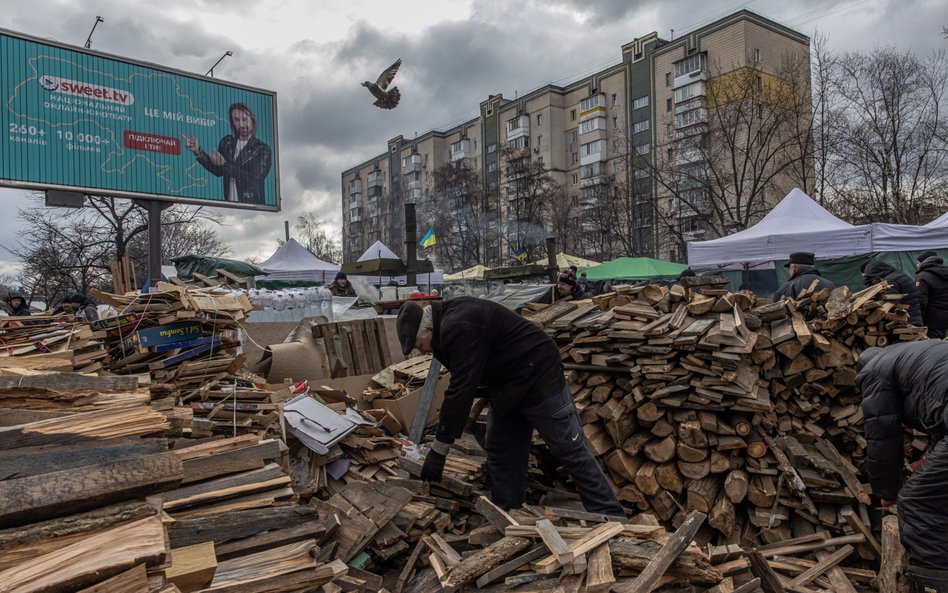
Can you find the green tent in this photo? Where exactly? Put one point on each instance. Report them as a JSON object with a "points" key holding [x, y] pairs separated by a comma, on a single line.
{"points": [[634, 268]]}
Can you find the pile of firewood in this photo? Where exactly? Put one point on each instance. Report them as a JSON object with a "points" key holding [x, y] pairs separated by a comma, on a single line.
{"points": [[698, 399]]}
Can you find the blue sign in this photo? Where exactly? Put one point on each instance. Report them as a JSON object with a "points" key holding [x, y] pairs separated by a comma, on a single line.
{"points": [[80, 120]]}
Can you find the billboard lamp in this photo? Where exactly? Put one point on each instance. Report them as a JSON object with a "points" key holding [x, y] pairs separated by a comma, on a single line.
{"points": [[211, 71], [98, 20]]}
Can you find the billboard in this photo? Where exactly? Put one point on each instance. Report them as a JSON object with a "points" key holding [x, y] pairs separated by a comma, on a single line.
{"points": [[74, 119]]}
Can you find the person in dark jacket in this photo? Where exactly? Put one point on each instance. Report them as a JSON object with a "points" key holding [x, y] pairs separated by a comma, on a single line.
{"points": [[341, 287], [875, 271], [18, 306], [908, 384], [932, 282], [484, 343], [803, 272], [85, 309]]}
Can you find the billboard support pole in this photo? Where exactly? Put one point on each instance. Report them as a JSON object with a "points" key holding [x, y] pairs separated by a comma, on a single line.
{"points": [[154, 208]]}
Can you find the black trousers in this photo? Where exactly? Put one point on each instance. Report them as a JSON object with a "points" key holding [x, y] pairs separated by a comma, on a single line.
{"points": [[509, 438], [923, 511]]}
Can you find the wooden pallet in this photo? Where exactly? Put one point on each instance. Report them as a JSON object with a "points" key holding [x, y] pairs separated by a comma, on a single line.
{"points": [[357, 347]]}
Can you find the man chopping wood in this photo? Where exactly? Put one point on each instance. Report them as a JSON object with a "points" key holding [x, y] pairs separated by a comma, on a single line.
{"points": [[908, 384], [484, 343]]}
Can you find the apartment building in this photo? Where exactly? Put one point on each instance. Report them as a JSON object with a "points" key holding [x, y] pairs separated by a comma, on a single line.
{"points": [[589, 162]]}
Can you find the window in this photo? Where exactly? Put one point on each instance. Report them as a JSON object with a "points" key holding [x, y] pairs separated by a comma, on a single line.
{"points": [[491, 148], [519, 143], [473, 144], [515, 124], [668, 79], [640, 126], [671, 153], [572, 136], [491, 167], [594, 147], [643, 149], [668, 104], [640, 102], [572, 115], [615, 122], [490, 111], [641, 173], [760, 82], [694, 63], [596, 123], [539, 119], [591, 170], [574, 157], [539, 140], [690, 118], [615, 146], [756, 55], [615, 99], [669, 129], [689, 91], [574, 179], [591, 103]]}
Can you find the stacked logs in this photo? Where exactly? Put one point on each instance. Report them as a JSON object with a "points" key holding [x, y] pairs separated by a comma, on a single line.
{"points": [[698, 399]]}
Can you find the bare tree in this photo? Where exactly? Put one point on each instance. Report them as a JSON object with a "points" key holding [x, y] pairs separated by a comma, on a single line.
{"points": [[529, 193], [69, 250], [460, 215], [890, 160], [311, 229], [732, 152]]}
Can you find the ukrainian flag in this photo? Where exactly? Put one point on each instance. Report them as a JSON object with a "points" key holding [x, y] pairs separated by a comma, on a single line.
{"points": [[429, 239]]}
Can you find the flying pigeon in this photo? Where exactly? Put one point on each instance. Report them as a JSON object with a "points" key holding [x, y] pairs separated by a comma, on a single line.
{"points": [[387, 98]]}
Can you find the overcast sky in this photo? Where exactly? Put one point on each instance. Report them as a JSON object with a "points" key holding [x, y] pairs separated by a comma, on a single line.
{"points": [[455, 53]]}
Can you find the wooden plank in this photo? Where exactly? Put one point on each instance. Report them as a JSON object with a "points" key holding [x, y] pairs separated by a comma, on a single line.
{"points": [[820, 567], [495, 515], [599, 575], [192, 567], [554, 542], [859, 527], [769, 581], [130, 581], [893, 560], [672, 549], [98, 556], [33, 498], [237, 525], [506, 568], [483, 561], [424, 402]]}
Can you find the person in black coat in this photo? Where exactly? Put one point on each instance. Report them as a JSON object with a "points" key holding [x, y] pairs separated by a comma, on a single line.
{"points": [[803, 272], [875, 271], [18, 306], [932, 282], [908, 384], [484, 343]]}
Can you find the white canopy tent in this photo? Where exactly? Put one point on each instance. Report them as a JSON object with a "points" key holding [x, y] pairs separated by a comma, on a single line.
{"points": [[798, 223], [379, 250], [941, 221], [292, 261]]}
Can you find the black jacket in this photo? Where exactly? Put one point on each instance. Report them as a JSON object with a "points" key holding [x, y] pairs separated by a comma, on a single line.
{"points": [[484, 343], [901, 384], [23, 310], [800, 281], [932, 283], [249, 169], [901, 284]]}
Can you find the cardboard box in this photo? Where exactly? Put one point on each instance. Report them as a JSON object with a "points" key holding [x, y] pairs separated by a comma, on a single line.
{"points": [[387, 421], [403, 408]]}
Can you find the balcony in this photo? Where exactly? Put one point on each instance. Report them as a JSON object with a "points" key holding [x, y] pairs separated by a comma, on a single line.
{"points": [[591, 106], [355, 214], [413, 194], [518, 127], [592, 181], [355, 197], [692, 117], [460, 150], [690, 77], [355, 187], [375, 191], [374, 179], [412, 164]]}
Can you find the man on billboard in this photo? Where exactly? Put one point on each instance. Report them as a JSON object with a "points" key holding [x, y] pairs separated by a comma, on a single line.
{"points": [[241, 158]]}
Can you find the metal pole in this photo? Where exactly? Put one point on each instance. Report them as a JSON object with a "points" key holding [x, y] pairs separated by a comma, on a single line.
{"points": [[286, 229], [411, 244], [88, 44], [154, 208], [551, 259]]}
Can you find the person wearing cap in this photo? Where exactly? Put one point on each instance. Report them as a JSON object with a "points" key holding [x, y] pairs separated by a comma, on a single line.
{"points": [[803, 272], [932, 282], [483, 343], [341, 287], [18, 306], [875, 271], [907, 384]]}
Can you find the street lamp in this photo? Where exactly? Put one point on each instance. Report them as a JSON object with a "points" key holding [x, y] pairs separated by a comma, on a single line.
{"points": [[211, 71]]}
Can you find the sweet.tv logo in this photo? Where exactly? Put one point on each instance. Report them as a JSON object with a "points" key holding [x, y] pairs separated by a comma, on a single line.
{"points": [[54, 84]]}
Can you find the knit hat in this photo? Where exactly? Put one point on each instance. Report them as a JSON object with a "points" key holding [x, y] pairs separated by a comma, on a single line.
{"points": [[926, 255], [568, 277], [341, 276]]}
